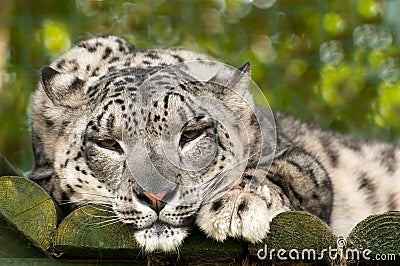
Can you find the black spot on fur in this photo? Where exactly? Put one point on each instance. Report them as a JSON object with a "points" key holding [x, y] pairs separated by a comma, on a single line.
{"points": [[79, 155], [329, 150], [113, 60], [107, 52], [217, 205], [166, 99], [243, 206], [369, 188], [74, 63], [248, 177], [92, 49], [153, 55], [365, 183], [119, 101], [392, 202], [178, 58], [95, 72], [61, 63], [333, 157], [352, 143], [110, 122], [95, 128], [48, 122], [389, 158], [70, 189], [156, 118]]}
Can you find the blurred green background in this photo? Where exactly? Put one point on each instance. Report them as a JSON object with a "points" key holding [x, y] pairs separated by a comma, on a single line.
{"points": [[331, 62]]}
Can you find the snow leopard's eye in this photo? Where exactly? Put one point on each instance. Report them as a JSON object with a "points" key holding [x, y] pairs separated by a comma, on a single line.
{"points": [[109, 144], [190, 135]]}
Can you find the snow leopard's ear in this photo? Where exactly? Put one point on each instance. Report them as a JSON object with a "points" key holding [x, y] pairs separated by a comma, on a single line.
{"points": [[242, 82], [63, 89], [238, 80]]}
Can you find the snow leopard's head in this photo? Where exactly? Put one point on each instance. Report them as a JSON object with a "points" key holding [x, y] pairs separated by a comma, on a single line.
{"points": [[154, 141]]}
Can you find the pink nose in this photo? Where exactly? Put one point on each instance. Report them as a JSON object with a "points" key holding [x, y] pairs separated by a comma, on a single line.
{"points": [[154, 200]]}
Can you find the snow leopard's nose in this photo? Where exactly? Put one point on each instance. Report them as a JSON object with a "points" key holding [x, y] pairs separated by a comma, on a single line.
{"points": [[154, 201]]}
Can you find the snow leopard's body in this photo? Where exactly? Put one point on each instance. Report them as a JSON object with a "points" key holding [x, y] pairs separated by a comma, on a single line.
{"points": [[164, 158]]}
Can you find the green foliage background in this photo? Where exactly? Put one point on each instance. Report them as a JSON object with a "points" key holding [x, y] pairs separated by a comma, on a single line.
{"points": [[331, 62]]}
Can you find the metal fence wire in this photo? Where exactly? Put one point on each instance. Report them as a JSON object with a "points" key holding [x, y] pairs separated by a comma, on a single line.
{"points": [[331, 62]]}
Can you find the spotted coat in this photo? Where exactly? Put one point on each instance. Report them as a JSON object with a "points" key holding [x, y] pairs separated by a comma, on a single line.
{"points": [[168, 139]]}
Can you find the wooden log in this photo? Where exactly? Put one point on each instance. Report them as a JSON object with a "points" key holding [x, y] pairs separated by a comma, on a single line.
{"points": [[13, 244], [379, 234], [28, 208], [92, 231], [296, 236]]}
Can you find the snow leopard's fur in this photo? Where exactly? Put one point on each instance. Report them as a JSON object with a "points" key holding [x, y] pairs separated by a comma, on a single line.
{"points": [[164, 158]]}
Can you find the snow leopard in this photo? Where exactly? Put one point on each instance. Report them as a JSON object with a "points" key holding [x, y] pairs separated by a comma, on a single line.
{"points": [[169, 140]]}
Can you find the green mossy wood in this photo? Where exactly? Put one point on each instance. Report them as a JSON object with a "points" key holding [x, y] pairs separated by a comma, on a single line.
{"points": [[29, 209], [378, 233], [93, 232], [298, 231]]}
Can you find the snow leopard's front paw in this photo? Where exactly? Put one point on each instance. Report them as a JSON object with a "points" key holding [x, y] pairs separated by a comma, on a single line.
{"points": [[239, 213]]}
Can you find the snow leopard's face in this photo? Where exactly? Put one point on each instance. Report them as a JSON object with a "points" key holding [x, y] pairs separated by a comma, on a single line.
{"points": [[156, 144], [164, 149]]}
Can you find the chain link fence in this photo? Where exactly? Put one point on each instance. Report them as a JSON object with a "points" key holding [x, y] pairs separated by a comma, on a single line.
{"points": [[331, 62]]}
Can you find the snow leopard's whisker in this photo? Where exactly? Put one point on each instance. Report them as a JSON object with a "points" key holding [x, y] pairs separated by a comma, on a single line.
{"points": [[211, 187], [98, 207], [100, 216], [83, 202], [102, 223], [96, 195], [178, 252]]}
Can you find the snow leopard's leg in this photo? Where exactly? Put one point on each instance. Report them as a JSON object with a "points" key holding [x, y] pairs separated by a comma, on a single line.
{"points": [[305, 182], [295, 181]]}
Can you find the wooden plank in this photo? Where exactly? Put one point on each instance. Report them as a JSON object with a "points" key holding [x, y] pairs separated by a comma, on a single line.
{"points": [[27, 207], [91, 231], [378, 233], [14, 245], [295, 234]]}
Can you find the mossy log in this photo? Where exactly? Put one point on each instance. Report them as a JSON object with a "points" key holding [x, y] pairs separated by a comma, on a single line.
{"points": [[377, 236], [296, 236], [92, 232], [28, 208]]}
